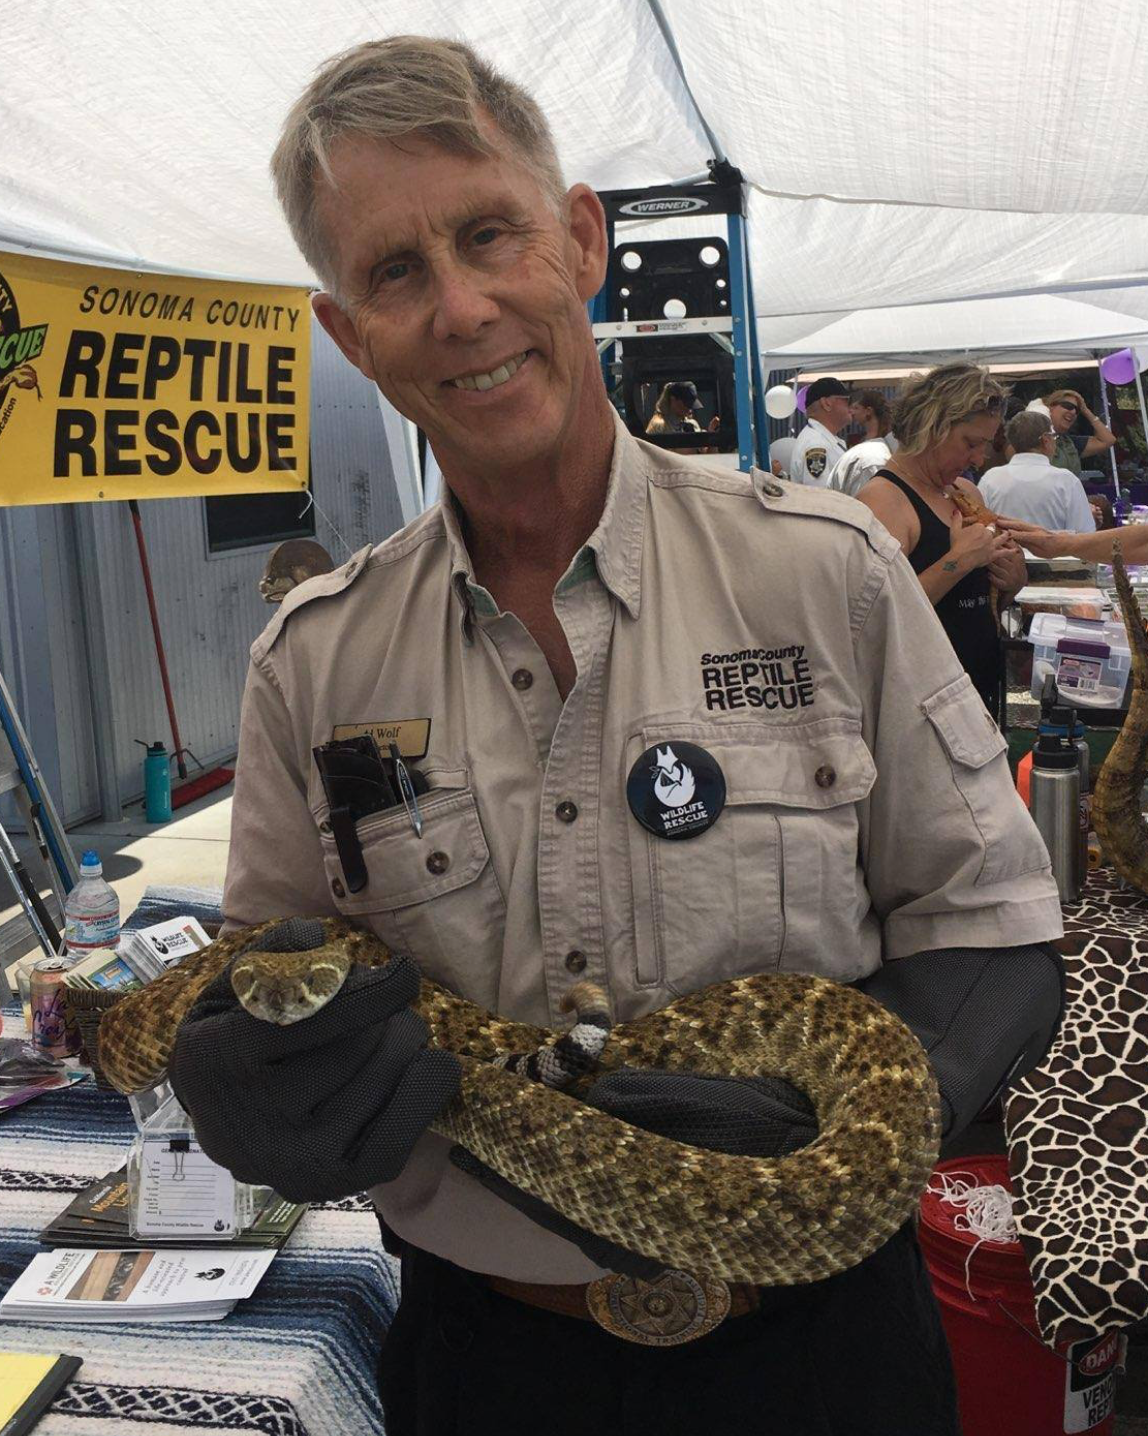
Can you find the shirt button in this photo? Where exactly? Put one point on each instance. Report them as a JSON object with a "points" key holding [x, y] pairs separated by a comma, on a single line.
{"points": [[774, 491], [438, 863], [337, 888], [566, 812], [825, 777], [522, 679], [575, 961]]}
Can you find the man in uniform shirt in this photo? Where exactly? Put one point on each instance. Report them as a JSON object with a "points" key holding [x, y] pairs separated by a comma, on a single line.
{"points": [[581, 613], [818, 449]]}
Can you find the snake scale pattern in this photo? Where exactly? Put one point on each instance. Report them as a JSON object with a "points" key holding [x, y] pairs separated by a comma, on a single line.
{"points": [[770, 1221]]}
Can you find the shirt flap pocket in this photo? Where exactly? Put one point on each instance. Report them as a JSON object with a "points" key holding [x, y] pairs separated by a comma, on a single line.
{"points": [[403, 868], [967, 732], [823, 764]]}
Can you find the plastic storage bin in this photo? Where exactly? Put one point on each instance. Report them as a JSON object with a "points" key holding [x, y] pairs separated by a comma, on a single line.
{"points": [[1089, 659]]}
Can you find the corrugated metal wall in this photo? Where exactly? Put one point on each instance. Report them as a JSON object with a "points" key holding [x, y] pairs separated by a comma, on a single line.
{"points": [[209, 606]]}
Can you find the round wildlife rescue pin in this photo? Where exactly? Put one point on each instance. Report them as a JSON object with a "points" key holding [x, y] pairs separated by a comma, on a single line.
{"points": [[676, 790]]}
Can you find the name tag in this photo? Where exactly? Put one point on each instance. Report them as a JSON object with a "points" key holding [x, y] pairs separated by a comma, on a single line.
{"points": [[411, 734]]}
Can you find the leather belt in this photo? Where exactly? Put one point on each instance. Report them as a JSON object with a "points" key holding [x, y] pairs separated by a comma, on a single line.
{"points": [[675, 1308]]}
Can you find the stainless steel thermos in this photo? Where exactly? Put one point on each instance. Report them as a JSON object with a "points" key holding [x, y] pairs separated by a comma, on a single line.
{"points": [[1054, 801]]}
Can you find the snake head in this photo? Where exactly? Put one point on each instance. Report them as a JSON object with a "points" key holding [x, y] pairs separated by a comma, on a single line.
{"points": [[289, 972]]}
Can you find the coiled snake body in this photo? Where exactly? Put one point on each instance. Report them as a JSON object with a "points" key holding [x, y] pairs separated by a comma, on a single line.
{"points": [[770, 1221]]}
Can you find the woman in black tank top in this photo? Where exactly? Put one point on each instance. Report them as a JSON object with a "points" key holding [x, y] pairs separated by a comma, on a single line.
{"points": [[965, 611], [943, 423]]}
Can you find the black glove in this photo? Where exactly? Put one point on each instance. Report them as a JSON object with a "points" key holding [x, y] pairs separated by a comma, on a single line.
{"points": [[322, 1108], [750, 1117], [985, 1016]]}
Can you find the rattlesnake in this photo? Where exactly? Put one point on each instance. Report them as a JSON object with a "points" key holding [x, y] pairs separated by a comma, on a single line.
{"points": [[770, 1221]]}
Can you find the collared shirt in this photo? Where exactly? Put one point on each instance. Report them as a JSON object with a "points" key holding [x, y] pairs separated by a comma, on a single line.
{"points": [[1028, 487], [777, 628], [858, 465], [815, 454], [1069, 452]]}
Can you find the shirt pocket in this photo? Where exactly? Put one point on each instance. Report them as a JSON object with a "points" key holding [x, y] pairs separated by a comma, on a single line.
{"points": [[437, 897], [775, 882], [977, 750]]}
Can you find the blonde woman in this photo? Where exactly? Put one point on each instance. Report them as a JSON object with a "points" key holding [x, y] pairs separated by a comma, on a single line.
{"points": [[943, 421]]}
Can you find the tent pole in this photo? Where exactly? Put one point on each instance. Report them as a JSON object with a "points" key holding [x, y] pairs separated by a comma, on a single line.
{"points": [[672, 46], [1140, 396], [1107, 420]]}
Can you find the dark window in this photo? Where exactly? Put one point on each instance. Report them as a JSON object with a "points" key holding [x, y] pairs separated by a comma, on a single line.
{"points": [[247, 520]]}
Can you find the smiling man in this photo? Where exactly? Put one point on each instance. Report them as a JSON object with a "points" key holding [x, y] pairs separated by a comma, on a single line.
{"points": [[669, 725]]}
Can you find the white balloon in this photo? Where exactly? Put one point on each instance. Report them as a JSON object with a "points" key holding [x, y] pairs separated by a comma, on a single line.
{"points": [[782, 450], [780, 401]]}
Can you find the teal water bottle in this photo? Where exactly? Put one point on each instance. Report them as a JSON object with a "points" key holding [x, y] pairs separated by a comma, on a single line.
{"points": [[157, 783]]}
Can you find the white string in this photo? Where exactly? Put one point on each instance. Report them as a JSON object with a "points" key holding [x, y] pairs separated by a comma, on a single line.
{"points": [[326, 519], [987, 1212]]}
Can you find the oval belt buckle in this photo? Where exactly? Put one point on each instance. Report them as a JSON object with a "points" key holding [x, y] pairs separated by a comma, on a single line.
{"points": [[673, 1309]]}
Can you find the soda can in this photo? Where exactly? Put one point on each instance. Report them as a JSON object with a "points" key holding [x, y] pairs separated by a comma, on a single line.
{"points": [[54, 1030]]}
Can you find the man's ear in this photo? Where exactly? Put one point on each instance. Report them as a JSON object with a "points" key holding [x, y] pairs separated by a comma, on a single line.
{"points": [[339, 326], [587, 225]]}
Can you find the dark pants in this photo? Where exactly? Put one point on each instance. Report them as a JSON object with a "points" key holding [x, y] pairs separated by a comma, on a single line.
{"points": [[860, 1354]]}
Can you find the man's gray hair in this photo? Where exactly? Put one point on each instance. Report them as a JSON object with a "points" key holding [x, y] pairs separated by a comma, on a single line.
{"points": [[388, 89], [1025, 431]]}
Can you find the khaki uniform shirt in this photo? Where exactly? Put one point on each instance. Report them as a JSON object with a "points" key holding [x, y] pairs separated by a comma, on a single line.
{"points": [[816, 454], [869, 810]]}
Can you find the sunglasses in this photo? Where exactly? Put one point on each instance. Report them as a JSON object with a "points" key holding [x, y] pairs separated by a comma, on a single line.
{"points": [[1063, 404]]}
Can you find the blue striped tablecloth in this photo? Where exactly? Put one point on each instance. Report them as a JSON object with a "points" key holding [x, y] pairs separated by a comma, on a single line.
{"points": [[296, 1359]]}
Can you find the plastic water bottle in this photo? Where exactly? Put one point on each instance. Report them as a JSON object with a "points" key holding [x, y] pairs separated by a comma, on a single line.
{"points": [[91, 911]]}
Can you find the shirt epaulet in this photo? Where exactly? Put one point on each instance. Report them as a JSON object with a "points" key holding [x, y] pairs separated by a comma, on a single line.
{"points": [[782, 497], [325, 585]]}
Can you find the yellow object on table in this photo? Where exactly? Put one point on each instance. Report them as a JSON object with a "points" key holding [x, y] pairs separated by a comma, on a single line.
{"points": [[29, 1383]]}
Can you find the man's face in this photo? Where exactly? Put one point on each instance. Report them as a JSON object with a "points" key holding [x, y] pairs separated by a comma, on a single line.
{"points": [[464, 294], [835, 412], [1063, 414]]}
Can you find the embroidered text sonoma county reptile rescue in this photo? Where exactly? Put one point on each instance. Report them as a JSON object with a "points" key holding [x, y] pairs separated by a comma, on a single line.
{"points": [[757, 678]]}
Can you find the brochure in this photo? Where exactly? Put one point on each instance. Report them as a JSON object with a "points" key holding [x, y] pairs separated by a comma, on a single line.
{"points": [[102, 969], [152, 950], [98, 1217], [73, 1285]]}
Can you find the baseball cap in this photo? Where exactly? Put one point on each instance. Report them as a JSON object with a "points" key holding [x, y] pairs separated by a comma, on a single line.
{"points": [[687, 393], [824, 389]]}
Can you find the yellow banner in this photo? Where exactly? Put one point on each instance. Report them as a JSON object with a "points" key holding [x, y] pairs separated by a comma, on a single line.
{"points": [[116, 385]]}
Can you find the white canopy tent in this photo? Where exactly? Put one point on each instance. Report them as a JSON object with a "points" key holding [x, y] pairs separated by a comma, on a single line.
{"points": [[1022, 328], [898, 152]]}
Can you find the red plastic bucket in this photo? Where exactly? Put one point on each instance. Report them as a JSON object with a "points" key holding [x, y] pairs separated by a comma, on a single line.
{"points": [[1007, 1379]]}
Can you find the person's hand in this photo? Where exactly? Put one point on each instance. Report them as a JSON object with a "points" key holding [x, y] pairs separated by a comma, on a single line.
{"points": [[324, 1107], [1082, 405], [1006, 567], [777, 469], [1044, 543], [970, 543], [714, 425]]}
